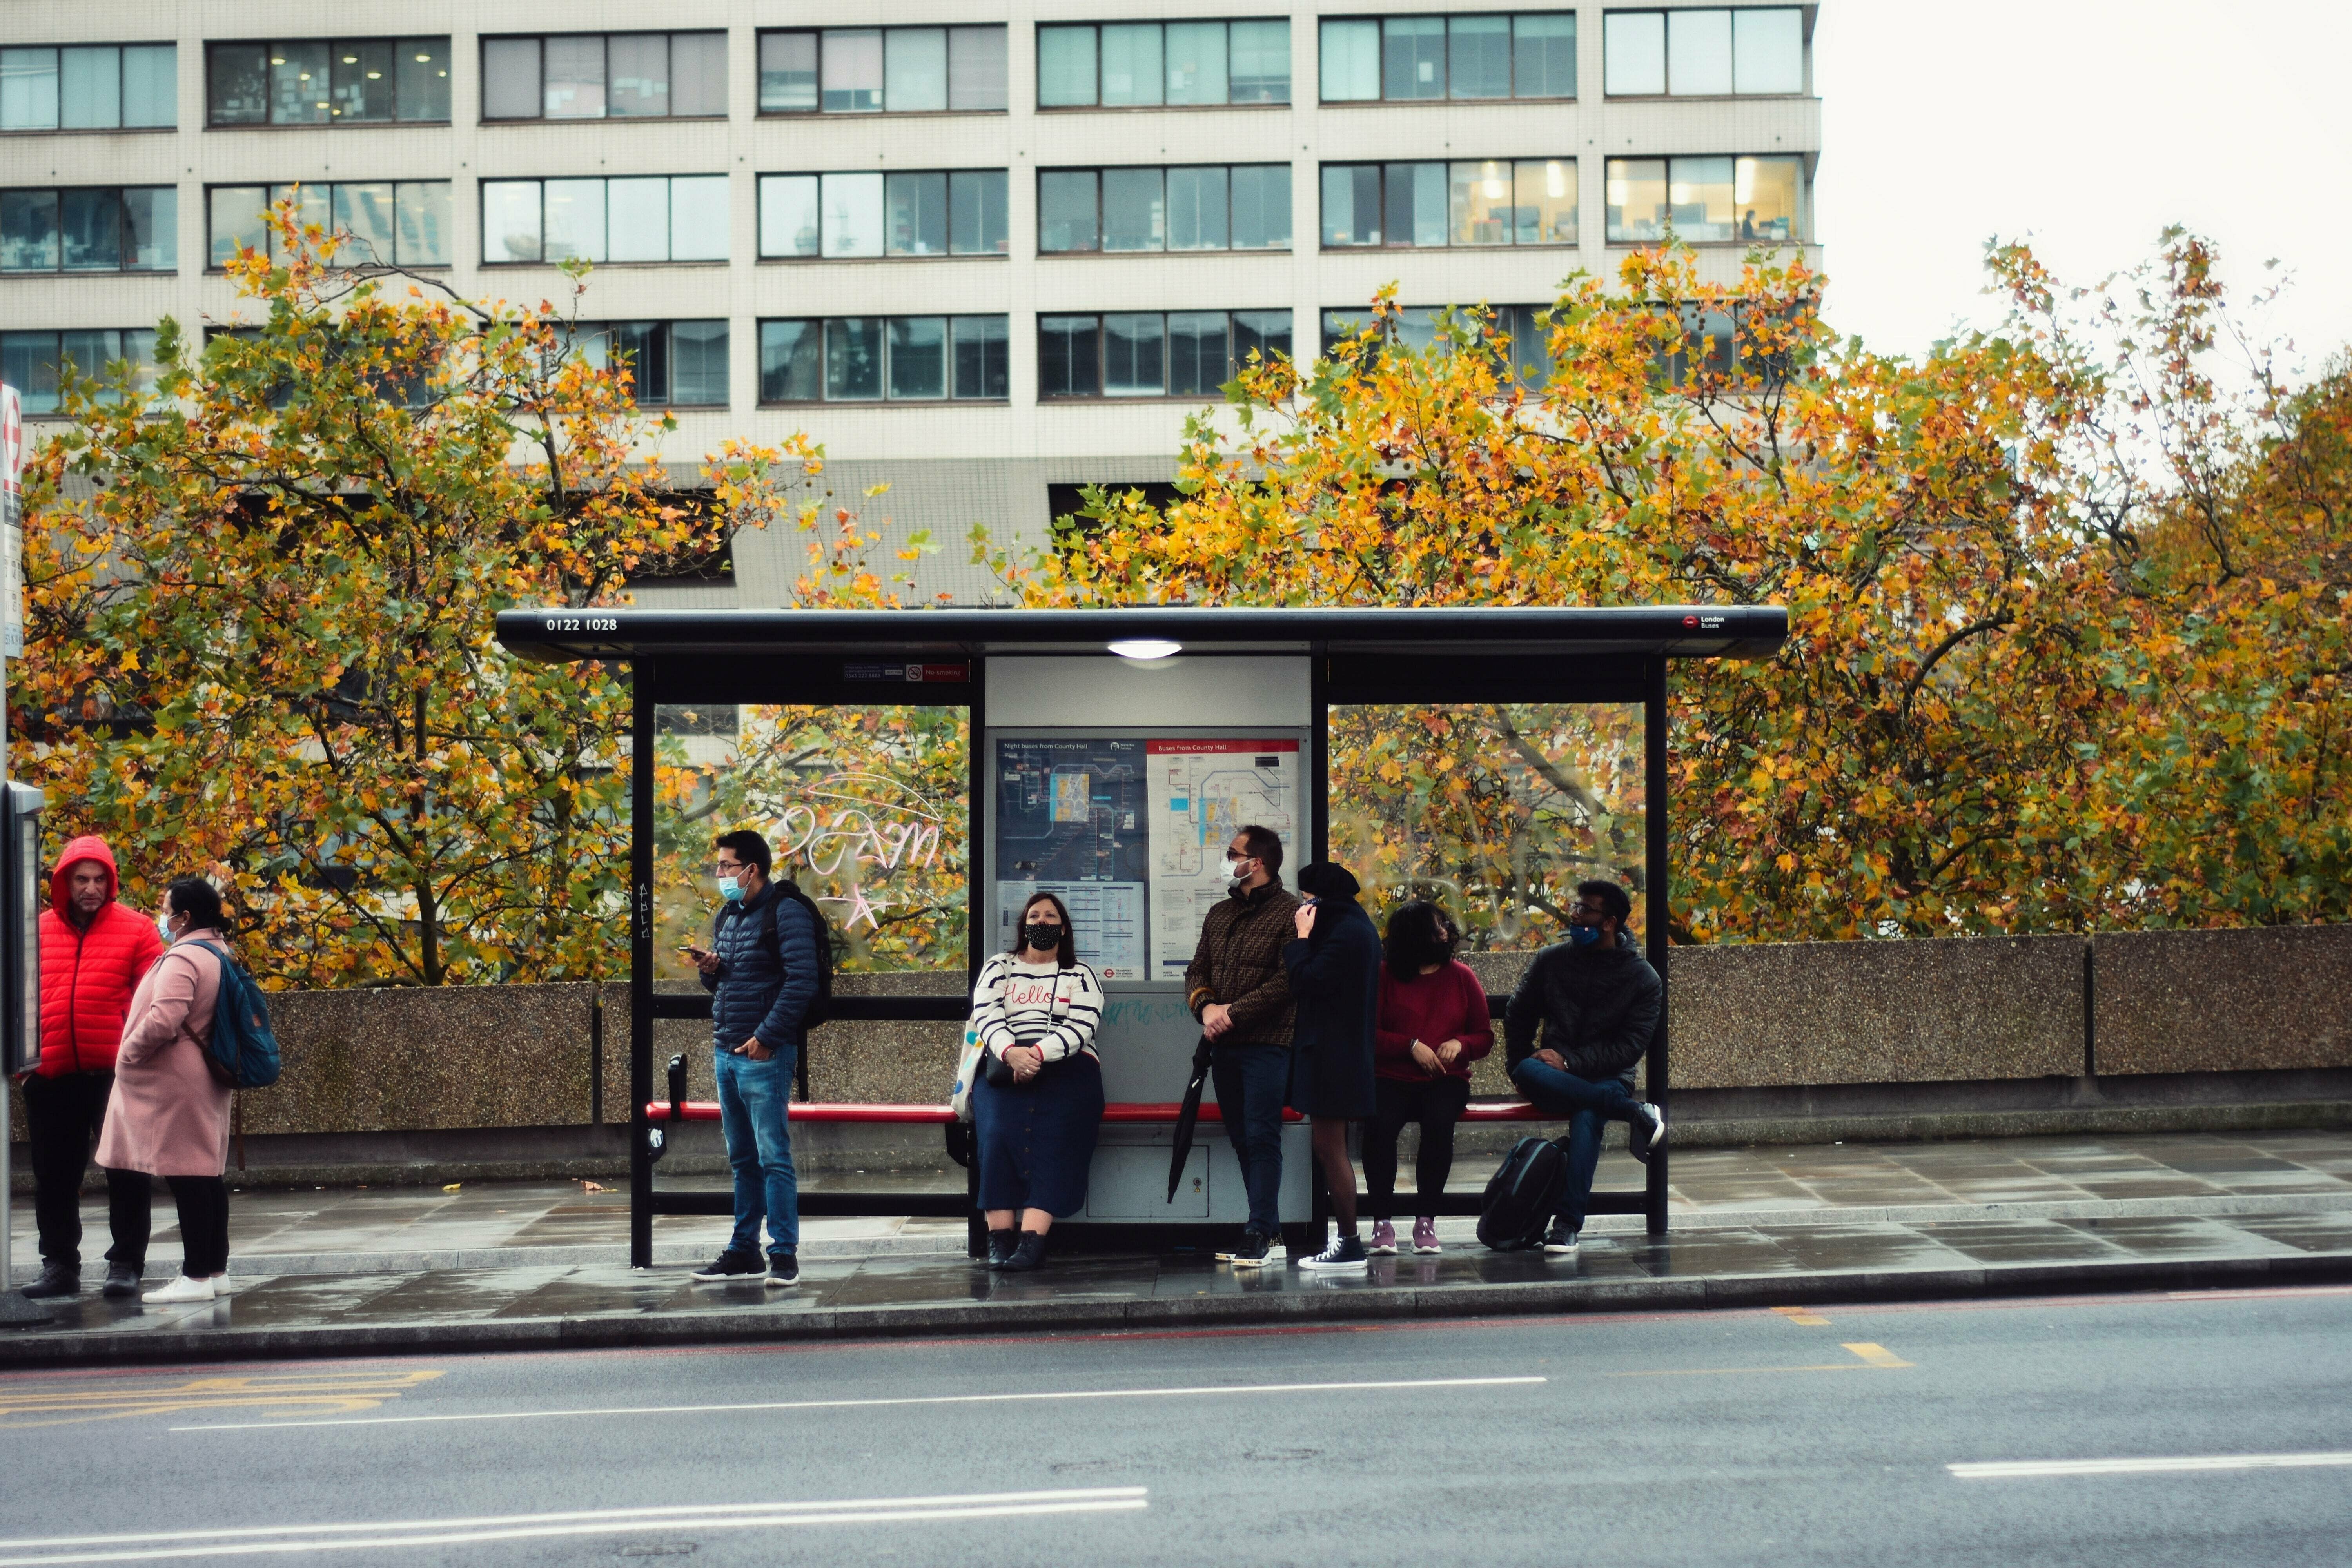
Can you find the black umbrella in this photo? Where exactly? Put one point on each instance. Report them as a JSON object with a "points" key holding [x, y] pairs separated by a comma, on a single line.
{"points": [[1186, 1115]]}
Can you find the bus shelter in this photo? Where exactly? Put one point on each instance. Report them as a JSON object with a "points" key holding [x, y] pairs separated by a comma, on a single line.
{"points": [[1110, 753]]}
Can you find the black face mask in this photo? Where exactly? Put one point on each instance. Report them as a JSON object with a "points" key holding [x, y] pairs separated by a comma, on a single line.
{"points": [[1043, 938]]}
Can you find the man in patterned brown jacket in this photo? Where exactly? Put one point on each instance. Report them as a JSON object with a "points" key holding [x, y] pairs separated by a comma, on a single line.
{"points": [[1237, 986]]}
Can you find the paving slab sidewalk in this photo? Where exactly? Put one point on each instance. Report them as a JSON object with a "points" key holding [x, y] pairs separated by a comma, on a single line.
{"points": [[542, 1265]]}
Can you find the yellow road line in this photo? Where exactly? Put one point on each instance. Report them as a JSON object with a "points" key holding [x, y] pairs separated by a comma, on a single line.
{"points": [[290, 1394], [1804, 1317], [1872, 1358]]}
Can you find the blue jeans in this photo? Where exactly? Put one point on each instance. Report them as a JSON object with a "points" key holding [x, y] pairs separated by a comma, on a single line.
{"points": [[752, 1098], [1251, 1081], [1590, 1107]]}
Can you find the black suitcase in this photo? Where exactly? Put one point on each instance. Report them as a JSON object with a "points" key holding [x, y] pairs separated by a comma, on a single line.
{"points": [[1522, 1196]]}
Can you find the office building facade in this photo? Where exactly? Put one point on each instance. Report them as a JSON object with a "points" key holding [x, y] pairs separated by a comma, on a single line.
{"points": [[983, 250]]}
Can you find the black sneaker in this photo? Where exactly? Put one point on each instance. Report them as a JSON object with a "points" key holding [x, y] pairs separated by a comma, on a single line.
{"points": [[1345, 1252], [731, 1264], [783, 1272], [1028, 1254], [1559, 1241], [1000, 1244], [122, 1279], [1257, 1250], [56, 1280], [1648, 1135]]}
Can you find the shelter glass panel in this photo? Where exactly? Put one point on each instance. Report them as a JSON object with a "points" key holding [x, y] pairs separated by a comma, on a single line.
{"points": [[1492, 811]]}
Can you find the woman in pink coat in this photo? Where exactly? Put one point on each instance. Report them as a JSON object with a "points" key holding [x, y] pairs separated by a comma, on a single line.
{"points": [[169, 1115]]}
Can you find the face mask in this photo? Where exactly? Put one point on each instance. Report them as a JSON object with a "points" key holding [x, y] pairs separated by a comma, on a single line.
{"points": [[730, 890], [164, 928], [1584, 936], [1045, 939]]}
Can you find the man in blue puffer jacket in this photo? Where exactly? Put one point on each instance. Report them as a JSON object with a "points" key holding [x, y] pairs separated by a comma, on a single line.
{"points": [[761, 969]]}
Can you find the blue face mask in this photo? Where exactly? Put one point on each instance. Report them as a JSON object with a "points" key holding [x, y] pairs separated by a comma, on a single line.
{"points": [[1584, 936], [730, 890]]}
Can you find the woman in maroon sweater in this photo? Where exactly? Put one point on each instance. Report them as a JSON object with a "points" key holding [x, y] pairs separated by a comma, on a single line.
{"points": [[1432, 1026]]}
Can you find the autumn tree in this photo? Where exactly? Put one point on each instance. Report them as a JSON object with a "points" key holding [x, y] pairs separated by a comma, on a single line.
{"points": [[1946, 744], [260, 600]]}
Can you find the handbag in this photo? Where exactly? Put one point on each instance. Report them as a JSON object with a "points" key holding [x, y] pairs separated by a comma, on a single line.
{"points": [[968, 1063], [999, 1075]]}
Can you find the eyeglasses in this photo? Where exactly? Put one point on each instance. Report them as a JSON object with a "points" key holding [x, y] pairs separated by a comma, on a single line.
{"points": [[1239, 855]]}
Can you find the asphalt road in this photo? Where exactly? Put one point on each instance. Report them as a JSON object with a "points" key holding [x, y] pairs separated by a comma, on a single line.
{"points": [[1803, 1438]]}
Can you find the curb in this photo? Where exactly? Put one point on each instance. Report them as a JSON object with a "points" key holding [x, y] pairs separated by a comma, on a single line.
{"points": [[26, 1348]]}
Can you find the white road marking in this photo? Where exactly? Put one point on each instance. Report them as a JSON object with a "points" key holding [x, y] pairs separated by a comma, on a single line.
{"points": [[284, 1538], [2008, 1469], [1202, 1392]]}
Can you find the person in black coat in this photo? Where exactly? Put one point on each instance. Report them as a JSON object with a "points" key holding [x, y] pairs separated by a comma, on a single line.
{"points": [[1335, 980]]}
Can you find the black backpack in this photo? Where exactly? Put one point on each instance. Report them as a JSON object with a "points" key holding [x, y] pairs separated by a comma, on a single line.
{"points": [[821, 1006], [1522, 1196]]}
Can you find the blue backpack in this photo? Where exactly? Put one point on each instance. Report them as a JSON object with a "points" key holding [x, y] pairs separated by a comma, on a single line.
{"points": [[243, 1053]]}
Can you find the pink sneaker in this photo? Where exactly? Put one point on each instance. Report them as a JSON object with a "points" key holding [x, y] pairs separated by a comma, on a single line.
{"points": [[1424, 1235], [1383, 1242]]}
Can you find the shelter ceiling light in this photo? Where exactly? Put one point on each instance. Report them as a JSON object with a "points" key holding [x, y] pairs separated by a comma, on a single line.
{"points": [[1146, 647]]}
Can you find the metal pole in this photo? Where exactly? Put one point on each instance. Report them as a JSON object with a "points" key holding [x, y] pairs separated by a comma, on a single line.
{"points": [[977, 932], [641, 960], [1656, 912], [1318, 752]]}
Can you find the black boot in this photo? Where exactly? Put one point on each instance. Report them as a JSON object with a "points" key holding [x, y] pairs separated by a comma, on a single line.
{"points": [[1028, 1254], [1000, 1248], [56, 1280]]}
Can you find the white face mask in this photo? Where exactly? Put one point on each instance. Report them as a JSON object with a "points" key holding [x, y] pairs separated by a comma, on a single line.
{"points": [[163, 927]]}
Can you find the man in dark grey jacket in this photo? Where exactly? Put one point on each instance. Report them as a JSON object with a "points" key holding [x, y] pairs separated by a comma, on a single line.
{"points": [[1596, 999], [761, 969]]}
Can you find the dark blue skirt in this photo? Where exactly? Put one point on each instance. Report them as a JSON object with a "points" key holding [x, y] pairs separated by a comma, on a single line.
{"points": [[1037, 1143]]}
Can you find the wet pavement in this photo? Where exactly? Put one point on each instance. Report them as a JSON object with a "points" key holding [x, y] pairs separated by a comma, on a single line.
{"points": [[540, 1263]]}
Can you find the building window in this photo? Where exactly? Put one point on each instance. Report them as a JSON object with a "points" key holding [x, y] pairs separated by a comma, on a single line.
{"points": [[1524, 201], [1417, 328], [935, 212], [882, 70], [601, 76], [343, 81], [1706, 201], [1400, 59], [1151, 65], [102, 229], [1703, 54], [1241, 206], [32, 363], [90, 87], [1175, 353], [391, 222], [884, 359], [672, 365], [656, 217]]}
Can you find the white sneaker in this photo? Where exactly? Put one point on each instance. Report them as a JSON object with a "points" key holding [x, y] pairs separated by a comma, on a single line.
{"points": [[181, 1289], [219, 1283]]}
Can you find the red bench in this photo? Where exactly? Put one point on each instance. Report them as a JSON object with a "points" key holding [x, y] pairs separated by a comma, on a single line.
{"points": [[940, 1115]]}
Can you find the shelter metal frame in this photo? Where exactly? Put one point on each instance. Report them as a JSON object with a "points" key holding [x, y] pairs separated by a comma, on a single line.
{"points": [[1357, 656]]}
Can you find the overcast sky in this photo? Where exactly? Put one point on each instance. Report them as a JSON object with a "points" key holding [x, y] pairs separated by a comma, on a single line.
{"points": [[2085, 126]]}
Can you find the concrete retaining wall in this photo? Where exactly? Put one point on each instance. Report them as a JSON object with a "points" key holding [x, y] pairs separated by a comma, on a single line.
{"points": [[1770, 1019]]}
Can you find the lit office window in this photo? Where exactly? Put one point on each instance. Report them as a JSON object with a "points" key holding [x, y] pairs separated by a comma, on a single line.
{"points": [[344, 81], [1524, 201], [102, 228], [403, 223], [1706, 201], [1405, 60], [1241, 206], [884, 359], [1151, 65], [1703, 54], [35, 362], [605, 75], [656, 217], [672, 365], [882, 70], [1152, 353], [90, 87], [937, 211]]}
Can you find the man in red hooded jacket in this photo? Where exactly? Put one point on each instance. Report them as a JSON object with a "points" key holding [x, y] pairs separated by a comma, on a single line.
{"points": [[94, 951]]}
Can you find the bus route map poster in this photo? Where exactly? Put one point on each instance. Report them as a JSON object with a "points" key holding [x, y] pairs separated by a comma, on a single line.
{"points": [[1201, 793], [1070, 821]]}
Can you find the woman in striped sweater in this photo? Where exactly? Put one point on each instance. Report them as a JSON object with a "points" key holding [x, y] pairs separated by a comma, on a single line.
{"points": [[1038, 1105]]}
